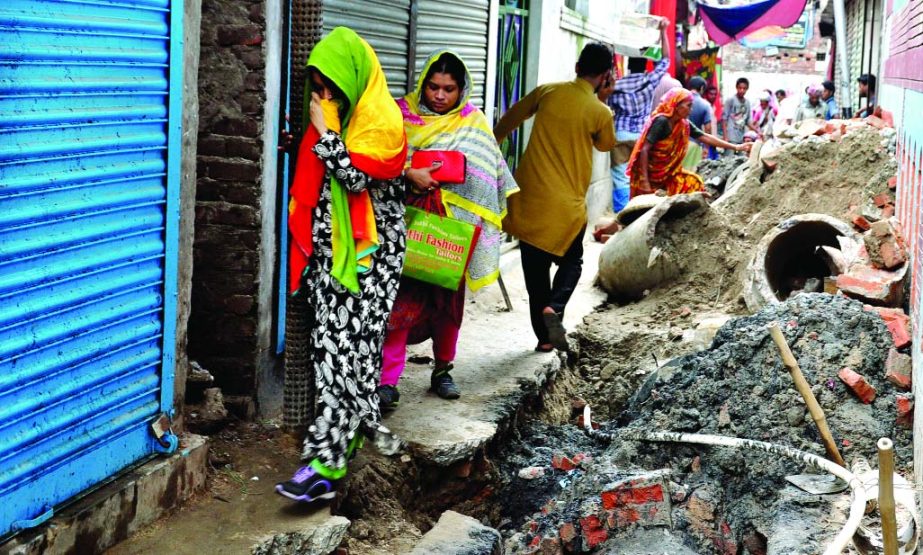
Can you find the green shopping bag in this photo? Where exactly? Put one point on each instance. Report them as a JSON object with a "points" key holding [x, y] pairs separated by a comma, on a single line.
{"points": [[438, 247]]}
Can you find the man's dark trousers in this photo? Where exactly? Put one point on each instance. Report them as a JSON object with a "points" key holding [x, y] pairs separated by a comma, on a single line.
{"points": [[536, 265]]}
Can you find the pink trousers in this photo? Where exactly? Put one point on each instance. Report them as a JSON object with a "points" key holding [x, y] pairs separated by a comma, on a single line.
{"points": [[445, 339]]}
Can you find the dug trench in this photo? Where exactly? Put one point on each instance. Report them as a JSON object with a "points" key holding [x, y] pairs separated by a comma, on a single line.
{"points": [[686, 357]]}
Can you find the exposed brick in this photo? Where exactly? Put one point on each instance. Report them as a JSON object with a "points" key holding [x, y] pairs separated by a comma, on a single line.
{"points": [[252, 58], [898, 323], [873, 285], [246, 148], [882, 199], [228, 35], [211, 145], [227, 214], [904, 405], [858, 385], [254, 81], [593, 531], [562, 462], [225, 170], [628, 495], [885, 245], [242, 126], [899, 369]]}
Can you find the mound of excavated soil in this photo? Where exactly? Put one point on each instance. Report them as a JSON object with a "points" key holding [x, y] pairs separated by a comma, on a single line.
{"points": [[815, 175]]}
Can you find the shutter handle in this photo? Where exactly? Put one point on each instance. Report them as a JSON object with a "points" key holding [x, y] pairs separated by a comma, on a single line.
{"points": [[32, 523]]}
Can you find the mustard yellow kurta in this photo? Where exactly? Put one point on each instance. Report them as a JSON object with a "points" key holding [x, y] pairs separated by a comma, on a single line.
{"points": [[554, 173]]}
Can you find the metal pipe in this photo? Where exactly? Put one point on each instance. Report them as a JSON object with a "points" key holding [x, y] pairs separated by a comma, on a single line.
{"points": [[839, 22], [886, 495]]}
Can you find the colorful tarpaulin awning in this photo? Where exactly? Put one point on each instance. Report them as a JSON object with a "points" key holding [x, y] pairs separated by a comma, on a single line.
{"points": [[729, 23]]}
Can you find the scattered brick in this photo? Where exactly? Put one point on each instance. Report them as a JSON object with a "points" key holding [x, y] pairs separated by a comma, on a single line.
{"points": [[904, 405], [899, 369], [887, 211], [567, 532], [876, 122], [562, 462], [885, 245], [882, 199], [857, 384], [593, 531], [892, 183], [898, 324]]}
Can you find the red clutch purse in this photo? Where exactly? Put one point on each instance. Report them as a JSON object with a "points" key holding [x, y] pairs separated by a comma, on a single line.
{"points": [[453, 166]]}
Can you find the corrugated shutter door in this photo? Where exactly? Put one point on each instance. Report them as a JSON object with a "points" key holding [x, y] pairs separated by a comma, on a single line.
{"points": [[458, 25], [384, 24], [84, 137]]}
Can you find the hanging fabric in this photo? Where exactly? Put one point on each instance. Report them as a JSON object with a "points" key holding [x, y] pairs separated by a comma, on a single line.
{"points": [[727, 24]]}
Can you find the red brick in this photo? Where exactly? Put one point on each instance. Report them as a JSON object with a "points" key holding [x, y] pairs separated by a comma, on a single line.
{"points": [[873, 285], [567, 532], [887, 211], [876, 122], [882, 199], [562, 462], [904, 405], [898, 369], [857, 384], [892, 183], [593, 531], [887, 117], [861, 223], [898, 324], [632, 496]]}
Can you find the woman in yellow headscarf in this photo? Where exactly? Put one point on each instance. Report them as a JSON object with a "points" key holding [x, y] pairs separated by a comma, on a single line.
{"points": [[346, 219], [657, 160], [438, 115]]}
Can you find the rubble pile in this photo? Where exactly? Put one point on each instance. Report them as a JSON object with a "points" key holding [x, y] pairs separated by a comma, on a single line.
{"points": [[718, 500], [717, 173]]}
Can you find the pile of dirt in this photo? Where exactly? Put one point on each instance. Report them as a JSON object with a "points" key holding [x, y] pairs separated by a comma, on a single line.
{"points": [[711, 255], [815, 175]]}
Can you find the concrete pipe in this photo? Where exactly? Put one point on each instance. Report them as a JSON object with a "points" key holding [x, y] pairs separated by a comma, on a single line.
{"points": [[786, 258], [630, 262]]}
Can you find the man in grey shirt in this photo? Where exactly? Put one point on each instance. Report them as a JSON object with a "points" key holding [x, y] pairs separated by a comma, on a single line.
{"points": [[736, 116]]}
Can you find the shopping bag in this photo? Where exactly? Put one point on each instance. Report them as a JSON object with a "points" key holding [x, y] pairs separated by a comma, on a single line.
{"points": [[438, 247]]}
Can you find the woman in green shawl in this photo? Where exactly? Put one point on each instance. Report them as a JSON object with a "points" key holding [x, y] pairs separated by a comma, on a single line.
{"points": [[346, 220]]}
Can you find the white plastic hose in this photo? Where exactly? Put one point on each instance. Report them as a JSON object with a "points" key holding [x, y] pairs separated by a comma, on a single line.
{"points": [[860, 496]]}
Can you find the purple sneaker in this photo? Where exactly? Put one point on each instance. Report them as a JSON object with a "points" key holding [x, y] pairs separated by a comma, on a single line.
{"points": [[307, 485]]}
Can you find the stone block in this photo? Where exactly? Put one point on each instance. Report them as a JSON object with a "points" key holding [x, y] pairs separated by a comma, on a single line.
{"points": [[904, 405], [457, 534], [312, 540], [857, 384], [873, 285], [899, 369], [885, 245]]}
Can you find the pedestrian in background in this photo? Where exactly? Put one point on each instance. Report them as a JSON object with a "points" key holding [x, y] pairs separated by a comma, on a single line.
{"points": [[549, 214], [867, 90], [831, 111], [347, 223], [702, 117], [632, 101], [812, 107], [438, 115], [736, 114]]}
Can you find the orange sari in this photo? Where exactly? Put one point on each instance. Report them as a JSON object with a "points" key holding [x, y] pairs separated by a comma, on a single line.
{"points": [[665, 158]]}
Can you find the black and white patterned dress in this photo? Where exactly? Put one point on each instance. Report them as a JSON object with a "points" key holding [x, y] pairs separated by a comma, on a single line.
{"points": [[348, 333]]}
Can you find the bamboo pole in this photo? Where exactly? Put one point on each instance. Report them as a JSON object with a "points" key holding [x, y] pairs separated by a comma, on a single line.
{"points": [[788, 359], [886, 495]]}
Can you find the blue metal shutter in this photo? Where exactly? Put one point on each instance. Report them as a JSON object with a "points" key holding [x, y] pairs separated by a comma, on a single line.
{"points": [[89, 188]]}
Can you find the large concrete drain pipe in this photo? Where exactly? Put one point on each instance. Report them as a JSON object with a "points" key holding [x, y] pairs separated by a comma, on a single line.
{"points": [[631, 263], [786, 258]]}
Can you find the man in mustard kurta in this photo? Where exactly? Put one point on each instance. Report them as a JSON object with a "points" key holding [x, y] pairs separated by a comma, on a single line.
{"points": [[549, 214]]}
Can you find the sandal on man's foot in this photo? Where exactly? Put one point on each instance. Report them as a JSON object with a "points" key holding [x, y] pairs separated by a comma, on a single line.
{"points": [[557, 335], [442, 384], [307, 486], [388, 398]]}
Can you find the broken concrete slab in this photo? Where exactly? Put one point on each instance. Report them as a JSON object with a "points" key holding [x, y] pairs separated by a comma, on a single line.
{"points": [[495, 371], [457, 534], [873, 285], [111, 513], [312, 539]]}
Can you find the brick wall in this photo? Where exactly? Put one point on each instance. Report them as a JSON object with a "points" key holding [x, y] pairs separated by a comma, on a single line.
{"points": [[902, 94], [229, 214]]}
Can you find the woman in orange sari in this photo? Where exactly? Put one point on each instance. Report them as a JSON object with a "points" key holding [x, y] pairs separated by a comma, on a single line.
{"points": [[657, 160]]}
